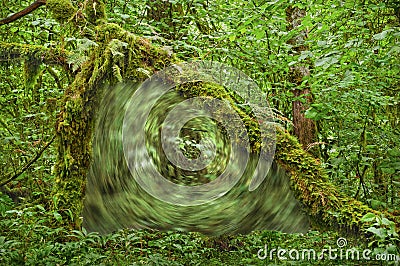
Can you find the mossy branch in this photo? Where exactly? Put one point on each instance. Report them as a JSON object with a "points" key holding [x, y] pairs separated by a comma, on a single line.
{"points": [[128, 54], [62, 10], [17, 51], [328, 208]]}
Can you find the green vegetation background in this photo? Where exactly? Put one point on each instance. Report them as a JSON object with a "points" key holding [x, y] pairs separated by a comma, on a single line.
{"points": [[353, 55]]}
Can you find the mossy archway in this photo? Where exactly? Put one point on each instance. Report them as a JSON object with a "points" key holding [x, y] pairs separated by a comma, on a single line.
{"points": [[124, 56], [120, 55]]}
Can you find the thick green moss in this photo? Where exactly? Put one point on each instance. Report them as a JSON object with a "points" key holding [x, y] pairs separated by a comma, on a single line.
{"points": [[62, 10], [38, 54], [327, 207], [134, 57]]}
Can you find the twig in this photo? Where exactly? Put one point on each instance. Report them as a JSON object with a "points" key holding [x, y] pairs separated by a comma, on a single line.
{"points": [[22, 13], [309, 146], [28, 164]]}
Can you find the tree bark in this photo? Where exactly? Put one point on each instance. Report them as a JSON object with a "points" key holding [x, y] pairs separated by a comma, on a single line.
{"points": [[304, 128]]}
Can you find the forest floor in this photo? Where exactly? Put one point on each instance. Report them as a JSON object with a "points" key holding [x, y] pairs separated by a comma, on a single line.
{"points": [[26, 239]]}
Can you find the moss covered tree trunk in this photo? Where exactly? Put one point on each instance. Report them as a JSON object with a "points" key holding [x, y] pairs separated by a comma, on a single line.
{"points": [[123, 56], [118, 55]]}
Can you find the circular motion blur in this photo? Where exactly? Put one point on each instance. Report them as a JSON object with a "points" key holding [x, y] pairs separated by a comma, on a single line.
{"points": [[189, 149]]}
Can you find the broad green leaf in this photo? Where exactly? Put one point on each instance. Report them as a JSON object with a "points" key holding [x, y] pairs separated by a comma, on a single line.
{"points": [[380, 232], [380, 36], [57, 216], [369, 217]]}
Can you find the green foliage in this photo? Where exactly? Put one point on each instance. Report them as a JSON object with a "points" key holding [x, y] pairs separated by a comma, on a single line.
{"points": [[26, 239], [6, 204], [354, 85], [353, 51], [81, 53], [384, 231]]}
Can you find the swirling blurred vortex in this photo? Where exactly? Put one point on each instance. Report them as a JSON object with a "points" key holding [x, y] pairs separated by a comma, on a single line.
{"points": [[116, 194]]}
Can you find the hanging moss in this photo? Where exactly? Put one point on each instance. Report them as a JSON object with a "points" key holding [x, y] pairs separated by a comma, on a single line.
{"points": [[95, 11], [31, 70], [62, 10]]}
